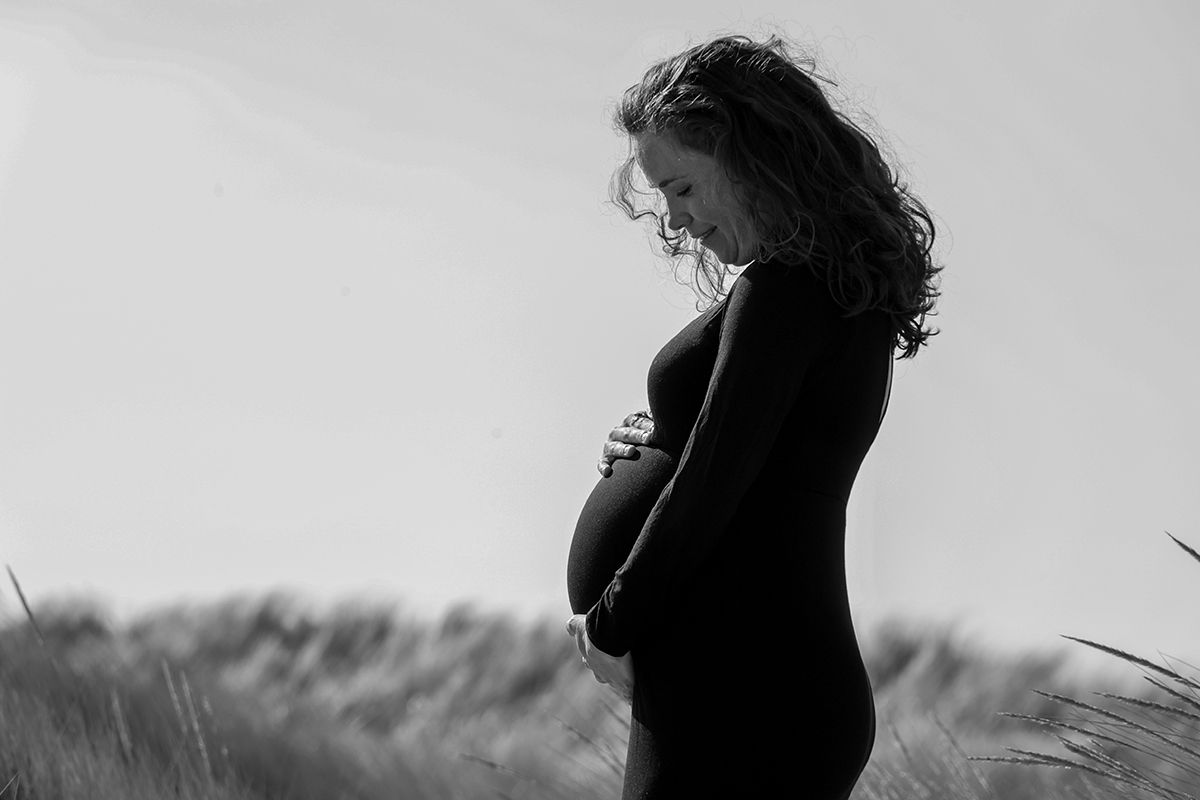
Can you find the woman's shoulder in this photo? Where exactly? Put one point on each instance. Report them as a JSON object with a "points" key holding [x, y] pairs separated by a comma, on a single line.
{"points": [[782, 302], [784, 287]]}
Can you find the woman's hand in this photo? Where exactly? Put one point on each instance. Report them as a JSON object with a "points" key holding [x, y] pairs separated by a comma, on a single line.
{"points": [[617, 673], [638, 428]]}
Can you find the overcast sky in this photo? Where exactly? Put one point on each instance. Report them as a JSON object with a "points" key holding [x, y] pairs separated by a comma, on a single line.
{"points": [[328, 297]]}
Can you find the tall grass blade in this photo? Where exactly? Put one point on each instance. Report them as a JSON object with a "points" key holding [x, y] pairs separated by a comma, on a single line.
{"points": [[1141, 662], [1150, 705], [1191, 701], [25, 604], [183, 726], [1055, 723], [524, 779], [969, 765], [1186, 549], [1120, 720], [908, 759], [605, 750], [492, 765], [195, 720], [122, 727], [1033, 759]]}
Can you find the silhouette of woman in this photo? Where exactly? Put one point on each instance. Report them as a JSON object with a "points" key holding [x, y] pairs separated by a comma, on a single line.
{"points": [[707, 572]]}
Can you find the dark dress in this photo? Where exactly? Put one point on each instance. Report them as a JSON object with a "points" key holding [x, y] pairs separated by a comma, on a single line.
{"points": [[717, 558]]}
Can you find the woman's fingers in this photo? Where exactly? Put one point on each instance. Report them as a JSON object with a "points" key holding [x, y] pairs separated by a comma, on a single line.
{"points": [[636, 418], [631, 435], [615, 673], [615, 449], [623, 441], [576, 628]]}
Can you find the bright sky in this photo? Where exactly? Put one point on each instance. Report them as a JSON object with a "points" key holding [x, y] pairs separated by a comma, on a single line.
{"points": [[328, 297]]}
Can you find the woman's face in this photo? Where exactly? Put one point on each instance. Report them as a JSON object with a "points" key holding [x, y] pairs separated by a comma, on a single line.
{"points": [[700, 197]]}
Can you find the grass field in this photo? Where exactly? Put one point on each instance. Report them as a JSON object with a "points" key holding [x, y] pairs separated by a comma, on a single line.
{"points": [[271, 698]]}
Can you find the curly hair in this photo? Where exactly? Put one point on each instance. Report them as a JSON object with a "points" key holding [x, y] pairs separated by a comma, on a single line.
{"points": [[814, 184]]}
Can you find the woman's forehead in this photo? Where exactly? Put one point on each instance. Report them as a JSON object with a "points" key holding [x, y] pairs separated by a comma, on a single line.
{"points": [[662, 159]]}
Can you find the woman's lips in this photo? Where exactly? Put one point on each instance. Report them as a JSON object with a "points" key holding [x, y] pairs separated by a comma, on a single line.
{"points": [[707, 233]]}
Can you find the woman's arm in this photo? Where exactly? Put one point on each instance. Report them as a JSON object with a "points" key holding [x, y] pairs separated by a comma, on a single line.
{"points": [[774, 325]]}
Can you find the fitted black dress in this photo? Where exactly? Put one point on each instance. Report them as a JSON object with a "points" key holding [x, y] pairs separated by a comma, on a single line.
{"points": [[717, 558]]}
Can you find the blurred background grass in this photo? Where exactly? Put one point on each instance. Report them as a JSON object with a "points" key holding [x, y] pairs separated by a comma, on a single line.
{"points": [[275, 697]]}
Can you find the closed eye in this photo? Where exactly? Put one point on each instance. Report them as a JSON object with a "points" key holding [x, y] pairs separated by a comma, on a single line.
{"points": [[685, 192]]}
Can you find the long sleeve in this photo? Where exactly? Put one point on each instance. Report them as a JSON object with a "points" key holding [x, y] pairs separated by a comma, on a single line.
{"points": [[775, 325]]}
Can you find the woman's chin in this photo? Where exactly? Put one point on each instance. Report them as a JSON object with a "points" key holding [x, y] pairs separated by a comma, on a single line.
{"points": [[722, 254], [732, 261], [718, 253]]}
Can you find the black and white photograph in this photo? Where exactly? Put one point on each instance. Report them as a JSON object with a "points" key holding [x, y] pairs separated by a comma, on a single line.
{"points": [[618, 401]]}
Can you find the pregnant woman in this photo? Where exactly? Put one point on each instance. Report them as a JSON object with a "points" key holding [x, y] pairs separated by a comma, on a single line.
{"points": [[707, 573]]}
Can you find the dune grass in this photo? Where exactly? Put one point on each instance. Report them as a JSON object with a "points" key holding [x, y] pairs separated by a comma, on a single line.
{"points": [[270, 697], [1144, 746], [267, 699]]}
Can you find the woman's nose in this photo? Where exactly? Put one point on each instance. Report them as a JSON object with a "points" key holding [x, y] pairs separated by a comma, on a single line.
{"points": [[677, 218]]}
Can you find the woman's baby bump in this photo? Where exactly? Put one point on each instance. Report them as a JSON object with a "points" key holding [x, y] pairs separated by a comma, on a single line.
{"points": [[611, 520]]}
